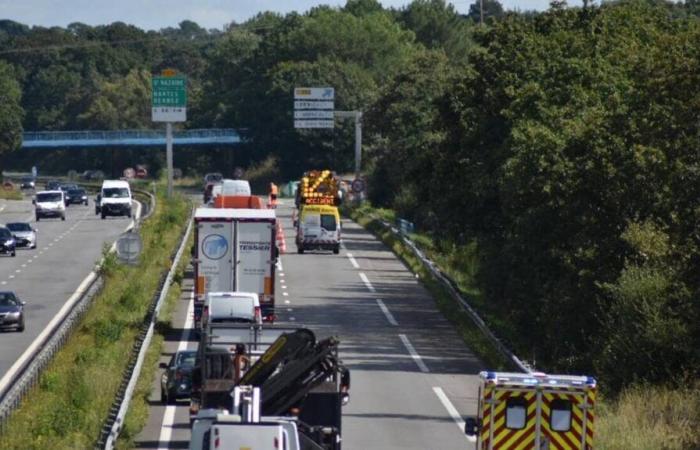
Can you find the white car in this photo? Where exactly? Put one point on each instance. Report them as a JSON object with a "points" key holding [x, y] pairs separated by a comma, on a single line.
{"points": [[114, 199], [50, 204], [25, 235]]}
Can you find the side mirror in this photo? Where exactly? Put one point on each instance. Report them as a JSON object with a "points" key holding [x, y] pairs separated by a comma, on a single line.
{"points": [[163, 365], [22, 302], [471, 426]]}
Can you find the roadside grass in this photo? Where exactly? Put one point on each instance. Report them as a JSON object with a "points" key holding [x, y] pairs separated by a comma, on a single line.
{"points": [[11, 195], [370, 219], [137, 415], [639, 418], [650, 418], [68, 406]]}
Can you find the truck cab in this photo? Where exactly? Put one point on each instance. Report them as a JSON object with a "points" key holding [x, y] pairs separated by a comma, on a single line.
{"points": [[318, 228]]}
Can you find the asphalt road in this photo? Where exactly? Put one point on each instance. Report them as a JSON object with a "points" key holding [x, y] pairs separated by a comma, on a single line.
{"points": [[413, 379], [47, 276]]}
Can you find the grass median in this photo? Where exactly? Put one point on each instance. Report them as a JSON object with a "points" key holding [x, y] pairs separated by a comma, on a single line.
{"points": [[10, 195], [68, 406]]}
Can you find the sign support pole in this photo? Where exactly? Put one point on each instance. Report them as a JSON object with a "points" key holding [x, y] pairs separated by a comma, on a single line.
{"points": [[358, 143], [169, 155]]}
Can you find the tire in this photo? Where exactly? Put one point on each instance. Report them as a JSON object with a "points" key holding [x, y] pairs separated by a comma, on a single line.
{"points": [[63, 217], [38, 217], [20, 327], [336, 249], [103, 216], [128, 214], [14, 253], [164, 397], [300, 249]]}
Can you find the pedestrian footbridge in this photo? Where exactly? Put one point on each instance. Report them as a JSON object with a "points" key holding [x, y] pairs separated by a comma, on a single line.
{"points": [[66, 139]]}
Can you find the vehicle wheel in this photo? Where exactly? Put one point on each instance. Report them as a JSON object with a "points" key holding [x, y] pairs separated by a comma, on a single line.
{"points": [[63, 217], [163, 396], [14, 253], [336, 249], [128, 214], [38, 218], [103, 216], [300, 249], [20, 327], [85, 203]]}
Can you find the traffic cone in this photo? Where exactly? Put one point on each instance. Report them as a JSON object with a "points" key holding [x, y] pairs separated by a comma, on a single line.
{"points": [[281, 243]]}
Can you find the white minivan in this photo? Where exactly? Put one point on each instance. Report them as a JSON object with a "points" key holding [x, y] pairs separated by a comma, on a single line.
{"points": [[236, 307], [50, 204], [114, 199]]}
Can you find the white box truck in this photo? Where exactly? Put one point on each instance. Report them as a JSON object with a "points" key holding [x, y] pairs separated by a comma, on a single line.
{"points": [[235, 250]]}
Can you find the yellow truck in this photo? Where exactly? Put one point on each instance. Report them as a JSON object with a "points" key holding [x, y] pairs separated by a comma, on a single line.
{"points": [[318, 228], [533, 411]]}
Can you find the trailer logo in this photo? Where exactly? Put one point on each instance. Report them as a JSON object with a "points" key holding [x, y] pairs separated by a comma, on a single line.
{"points": [[214, 246]]}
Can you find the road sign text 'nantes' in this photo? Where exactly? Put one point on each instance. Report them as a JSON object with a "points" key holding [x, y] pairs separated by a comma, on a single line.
{"points": [[169, 97]]}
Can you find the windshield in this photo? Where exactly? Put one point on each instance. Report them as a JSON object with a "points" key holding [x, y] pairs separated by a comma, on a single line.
{"points": [[5, 233], [76, 192], [7, 299], [214, 177], [27, 180], [19, 227], [48, 197], [68, 187], [115, 193], [328, 222], [186, 359]]}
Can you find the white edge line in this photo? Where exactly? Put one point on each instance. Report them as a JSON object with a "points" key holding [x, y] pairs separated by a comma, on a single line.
{"points": [[353, 261], [387, 313], [366, 281], [412, 351], [452, 411]]}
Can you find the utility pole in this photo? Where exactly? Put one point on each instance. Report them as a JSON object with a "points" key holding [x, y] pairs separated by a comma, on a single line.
{"points": [[481, 13], [169, 155]]}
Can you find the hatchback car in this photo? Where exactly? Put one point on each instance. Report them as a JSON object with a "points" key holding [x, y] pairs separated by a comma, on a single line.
{"points": [[76, 197], [11, 311], [25, 235], [53, 185], [176, 381], [8, 244]]}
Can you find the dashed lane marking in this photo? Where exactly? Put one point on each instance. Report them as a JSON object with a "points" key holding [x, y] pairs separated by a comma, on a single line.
{"points": [[452, 411], [387, 313], [353, 261], [366, 281], [414, 354]]}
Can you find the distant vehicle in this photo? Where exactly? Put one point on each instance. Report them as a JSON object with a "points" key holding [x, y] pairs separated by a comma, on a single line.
{"points": [[11, 311], [141, 171], [209, 192], [114, 199], [93, 175], [25, 235], [53, 185], [176, 381], [318, 227], [50, 204], [8, 244], [214, 177], [76, 197], [65, 187], [27, 183], [232, 307]]}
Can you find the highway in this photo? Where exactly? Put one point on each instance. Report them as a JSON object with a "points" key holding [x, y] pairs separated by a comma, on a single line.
{"points": [[47, 276], [413, 379]]}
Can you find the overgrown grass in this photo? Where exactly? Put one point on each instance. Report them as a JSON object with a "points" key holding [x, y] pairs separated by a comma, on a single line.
{"points": [[137, 416], [67, 408], [10, 195], [370, 218], [650, 418]]}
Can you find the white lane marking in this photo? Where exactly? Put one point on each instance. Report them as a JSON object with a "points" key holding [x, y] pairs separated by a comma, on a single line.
{"points": [[4, 282], [285, 294], [292, 319], [166, 429], [11, 277], [18, 270], [279, 265], [24, 265], [284, 286], [281, 274], [290, 309], [452, 411], [366, 281], [286, 302], [386, 312], [414, 354], [353, 261]]}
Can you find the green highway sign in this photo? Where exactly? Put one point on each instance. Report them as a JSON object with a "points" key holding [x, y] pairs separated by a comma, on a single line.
{"points": [[169, 98]]}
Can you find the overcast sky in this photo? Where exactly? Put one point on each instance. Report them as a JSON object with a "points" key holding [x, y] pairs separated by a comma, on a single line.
{"points": [[156, 14]]}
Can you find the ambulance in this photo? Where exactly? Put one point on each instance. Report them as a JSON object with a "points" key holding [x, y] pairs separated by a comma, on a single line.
{"points": [[533, 411]]}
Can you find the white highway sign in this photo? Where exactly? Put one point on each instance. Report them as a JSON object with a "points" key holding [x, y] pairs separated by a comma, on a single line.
{"points": [[312, 123], [313, 114], [300, 104]]}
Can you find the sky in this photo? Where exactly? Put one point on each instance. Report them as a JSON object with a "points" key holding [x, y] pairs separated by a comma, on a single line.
{"points": [[156, 14]]}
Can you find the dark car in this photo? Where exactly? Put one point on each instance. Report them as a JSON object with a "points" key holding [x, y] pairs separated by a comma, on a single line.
{"points": [[176, 381], [214, 177], [93, 175], [53, 185], [25, 235], [8, 244], [11, 311], [27, 183], [76, 197]]}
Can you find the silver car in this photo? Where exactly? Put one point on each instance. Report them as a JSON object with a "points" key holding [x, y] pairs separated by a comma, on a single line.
{"points": [[25, 235], [11, 311]]}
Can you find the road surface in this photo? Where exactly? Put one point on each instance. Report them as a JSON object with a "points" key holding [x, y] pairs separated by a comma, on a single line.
{"points": [[413, 379]]}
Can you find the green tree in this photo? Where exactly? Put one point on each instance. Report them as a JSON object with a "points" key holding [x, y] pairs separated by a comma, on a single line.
{"points": [[10, 110]]}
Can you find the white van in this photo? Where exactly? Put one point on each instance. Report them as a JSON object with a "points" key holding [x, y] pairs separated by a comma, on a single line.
{"points": [[241, 307], [114, 199], [50, 204]]}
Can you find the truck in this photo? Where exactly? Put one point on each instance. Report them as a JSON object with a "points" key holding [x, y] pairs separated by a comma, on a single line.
{"points": [[534, 411], [235, 250], [297, 376]]}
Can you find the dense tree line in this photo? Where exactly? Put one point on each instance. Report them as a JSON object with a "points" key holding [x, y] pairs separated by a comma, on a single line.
{"points": [[564, 143]]}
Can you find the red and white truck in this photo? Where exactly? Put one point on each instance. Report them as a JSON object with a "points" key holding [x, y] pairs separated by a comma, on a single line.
{"points": [[235, 250]]}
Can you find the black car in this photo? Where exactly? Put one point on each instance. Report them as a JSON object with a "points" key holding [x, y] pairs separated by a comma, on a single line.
{"points": [[27, 183], [176, 381], [11, 311], [76, 197], [53, 185], [8, 244]]}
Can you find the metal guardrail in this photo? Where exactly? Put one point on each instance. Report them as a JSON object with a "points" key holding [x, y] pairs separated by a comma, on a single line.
{"points": [[451, 287], [28, 375], [89, 138], [115, 420]]}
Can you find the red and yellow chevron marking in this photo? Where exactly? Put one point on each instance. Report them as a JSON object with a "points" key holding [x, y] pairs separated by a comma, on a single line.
{"points": [[505, 438], [567, 440], [486, 417]]}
